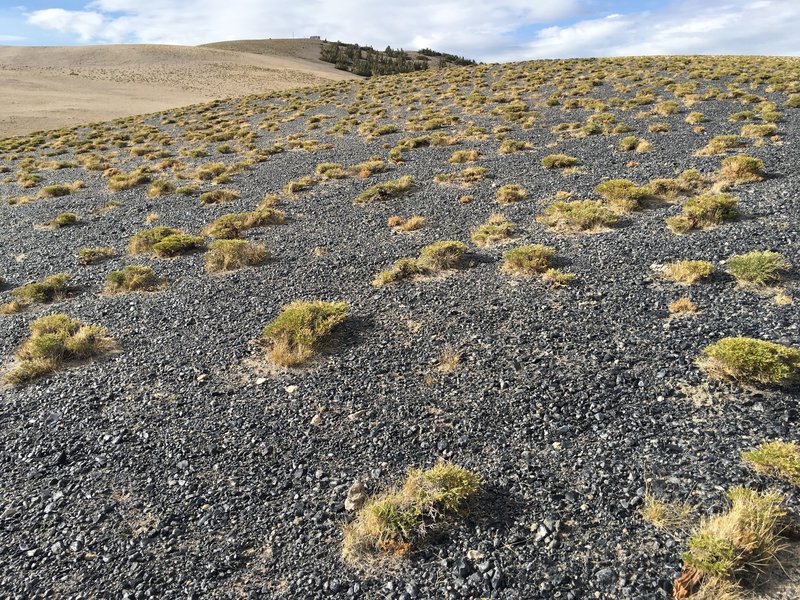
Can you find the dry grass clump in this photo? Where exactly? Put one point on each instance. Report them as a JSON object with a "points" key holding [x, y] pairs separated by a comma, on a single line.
{"points": [[631, 142], [368, 168], [125, 181], [54, 191], [209, 171], [63, 220], [159, 188], [687, 272], [163, 242], [704, 211], [230, 255], [682, 306], [720, 144], [391, 524], [666, 515], [752, 361], [464, 156], [95, 254], [559, 161], [386, 190], [495, 230], [578, 215], [300, 185], [742, 169], [232, 225], [695, 118], [328, 170], [740, 545], [433, 258], [55, 341], [759, 131], [759, 267], [527, 260], [50, 289], [412, 223], [623, 194], [466, 178], [690, 181], [510, 193], [509, 146], [778, 458], [220, 196], [133, 278], [299, 330]]}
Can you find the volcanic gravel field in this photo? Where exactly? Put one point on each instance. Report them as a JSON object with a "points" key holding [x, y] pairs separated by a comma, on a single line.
{"points": [[185, 465]]}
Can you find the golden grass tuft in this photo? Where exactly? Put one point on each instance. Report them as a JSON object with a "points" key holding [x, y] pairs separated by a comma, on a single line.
{"points": [[230, 255], [301, 327]]}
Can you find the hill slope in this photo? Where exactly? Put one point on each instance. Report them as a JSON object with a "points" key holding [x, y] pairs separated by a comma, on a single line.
{"points": [[49, 87], [186, 462]]}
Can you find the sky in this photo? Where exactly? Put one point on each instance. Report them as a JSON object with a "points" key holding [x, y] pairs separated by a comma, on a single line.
{"points": [[485, 30]]}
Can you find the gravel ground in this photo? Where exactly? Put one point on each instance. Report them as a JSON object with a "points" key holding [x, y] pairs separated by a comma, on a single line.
{"points": [[184, 465]]}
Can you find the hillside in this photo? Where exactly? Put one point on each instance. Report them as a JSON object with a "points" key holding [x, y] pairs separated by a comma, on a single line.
{"points": [[50, 87], [493, 297]]}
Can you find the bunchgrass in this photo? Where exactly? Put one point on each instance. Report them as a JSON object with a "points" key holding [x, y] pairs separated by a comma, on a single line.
{"points": [[230, 255], [777, 458], [94, 254], [510, 193], [386, 190], [752, 361], [759, 267], [559, 161], [623, 194], [527, 260], [742, 169], [704, 211], [298, 331], [497, 229], [132, 278], [578, 215], [687, 272], [390, 525], [50, 289], [55, 341]]}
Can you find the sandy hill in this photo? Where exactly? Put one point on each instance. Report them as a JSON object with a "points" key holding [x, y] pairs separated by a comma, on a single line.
{"points": [[50, 87]]}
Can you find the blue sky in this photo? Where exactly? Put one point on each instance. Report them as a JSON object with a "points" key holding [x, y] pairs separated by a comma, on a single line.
{"points": [[483, 29]]}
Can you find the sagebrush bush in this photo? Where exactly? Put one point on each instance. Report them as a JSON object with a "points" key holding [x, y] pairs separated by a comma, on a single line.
{"points": [[578, 215], [299, 330], [230, 255], [759, 267], [133, 278], [752, 361], [55, 341]]}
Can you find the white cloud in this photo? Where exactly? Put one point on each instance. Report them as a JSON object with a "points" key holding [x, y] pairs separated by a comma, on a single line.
{"points": [[11, 38], [686, 27], [486, 30], [85, 24], [472, 27]]}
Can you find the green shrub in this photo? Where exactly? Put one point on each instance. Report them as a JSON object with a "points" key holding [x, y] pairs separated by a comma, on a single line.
{"points": [[759, 131], [497, 229], [742, 169], [220, 196], [56, 340], [133, 278], [720, 144], [446, 254], [55, 191], [628, 143], [230, 255], [759, 267], [704, 211], [752, 361], [509, 146], [623, 194], [50, 289], [162, 187], [386, 191], [176, 244], [94, 255], [232, 225], [63, 220], [330, 171], [466, 178], [295, 335], [404, 268], [527, 260], [695, 118], [209, 171], [559, 161], [511, 192], [392, 523], [578, 215], [778, 458], [144, 241]]}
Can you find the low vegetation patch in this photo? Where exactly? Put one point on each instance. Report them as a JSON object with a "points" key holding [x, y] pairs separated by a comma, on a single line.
{"points": [[391, 524], [94, 255], [464, 156], [50, 289], [412, 223], [220, 196], [559, 161], [623, 194], [721, 144], [742, 169], [386, 190], [666, 515], [751, 360], [63, 220], [164, 242], [232, 225], [687, 272], [510, 193], [759, 267], [133, 278], [704, 211], [55, 341], [298, 331], [778, 458], [230, 255], [578, 215], [466, 178], [433, 258], [736, 547], [682, 306], [527, 260], [495, 230]]}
